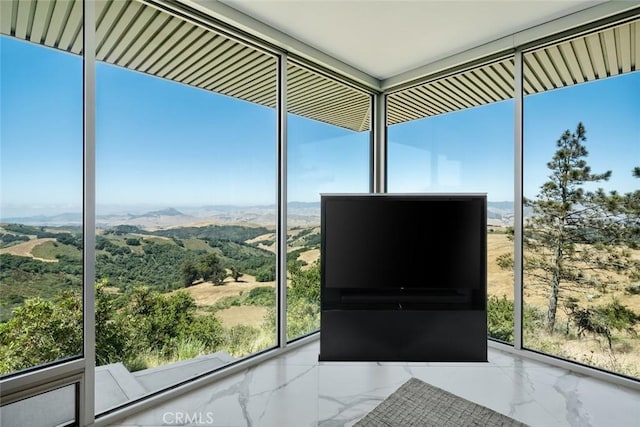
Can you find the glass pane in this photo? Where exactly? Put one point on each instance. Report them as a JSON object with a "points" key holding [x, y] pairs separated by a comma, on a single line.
{"points": [[326, 153], [435, 146], [59, 405], [41, 169], [186, 195], [581, 181]]}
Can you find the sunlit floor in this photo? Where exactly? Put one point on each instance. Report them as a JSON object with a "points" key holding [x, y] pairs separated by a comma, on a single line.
{"points": [[296, 390]]}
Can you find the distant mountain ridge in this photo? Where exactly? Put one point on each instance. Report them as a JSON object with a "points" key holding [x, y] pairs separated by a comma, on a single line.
{"points": [[67, 218], [163, 212], [299, 214]]}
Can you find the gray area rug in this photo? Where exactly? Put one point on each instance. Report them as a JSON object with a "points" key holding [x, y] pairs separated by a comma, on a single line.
{"points": [[417, 403]]}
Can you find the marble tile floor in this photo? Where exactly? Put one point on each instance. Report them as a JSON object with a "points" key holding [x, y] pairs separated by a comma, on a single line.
{"points": [[296, 390]]}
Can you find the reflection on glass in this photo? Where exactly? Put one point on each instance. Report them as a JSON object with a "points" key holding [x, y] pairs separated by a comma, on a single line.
{"points": [[581, 295], [41, 205], [327, 153], [59, 405], [462, 151]]}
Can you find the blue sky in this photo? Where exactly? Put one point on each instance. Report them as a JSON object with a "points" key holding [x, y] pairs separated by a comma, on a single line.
{"points": [[472, 150], [41, 127], [162, 144]]}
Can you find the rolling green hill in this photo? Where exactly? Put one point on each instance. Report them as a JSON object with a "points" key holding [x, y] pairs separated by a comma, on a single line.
{"points": [[126, 256]]}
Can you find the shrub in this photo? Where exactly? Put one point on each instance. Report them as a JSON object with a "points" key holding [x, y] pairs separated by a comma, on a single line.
{"points": [[188, 348], [207, 329], [262, 295], [303, 317], [41, 331], [242, 340], [15, 299], [266, 274], [633, 289], [602, 320], [500, 318], [305, 284]]}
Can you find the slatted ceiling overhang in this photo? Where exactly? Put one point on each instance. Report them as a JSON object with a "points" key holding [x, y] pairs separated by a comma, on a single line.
{"points": [[428, 103], [487, 84], [313, 95], [56, 24], [590, 57], [438, 98], [602, 54], [180, 51], [141, 37]]}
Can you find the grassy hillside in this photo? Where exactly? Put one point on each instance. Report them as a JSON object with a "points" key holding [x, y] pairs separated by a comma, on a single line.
{"points": [[45, 262]]}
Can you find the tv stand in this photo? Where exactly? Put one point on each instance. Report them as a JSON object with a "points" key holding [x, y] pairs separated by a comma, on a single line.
{"points": [[403, 325]]}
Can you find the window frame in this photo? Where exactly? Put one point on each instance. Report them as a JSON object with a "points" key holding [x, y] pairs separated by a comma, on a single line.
{"points": [[81, 371]]}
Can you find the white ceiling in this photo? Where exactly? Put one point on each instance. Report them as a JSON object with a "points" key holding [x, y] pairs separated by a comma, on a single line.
{"points": [[384, 38]]}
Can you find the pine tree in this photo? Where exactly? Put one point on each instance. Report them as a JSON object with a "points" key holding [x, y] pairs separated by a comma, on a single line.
{"points": [[564, 224]]}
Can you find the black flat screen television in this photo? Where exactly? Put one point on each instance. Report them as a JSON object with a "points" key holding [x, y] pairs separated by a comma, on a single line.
{"points": [[387, 242]]}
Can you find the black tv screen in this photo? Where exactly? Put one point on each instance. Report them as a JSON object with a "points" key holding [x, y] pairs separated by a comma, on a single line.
{"points": [[385, 241]]}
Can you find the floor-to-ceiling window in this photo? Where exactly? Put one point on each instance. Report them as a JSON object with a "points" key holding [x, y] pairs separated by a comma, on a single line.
{"points": [[581, 181], [455, 135], [186, 194], [186, 164], [328, 145], [41, 205]]}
